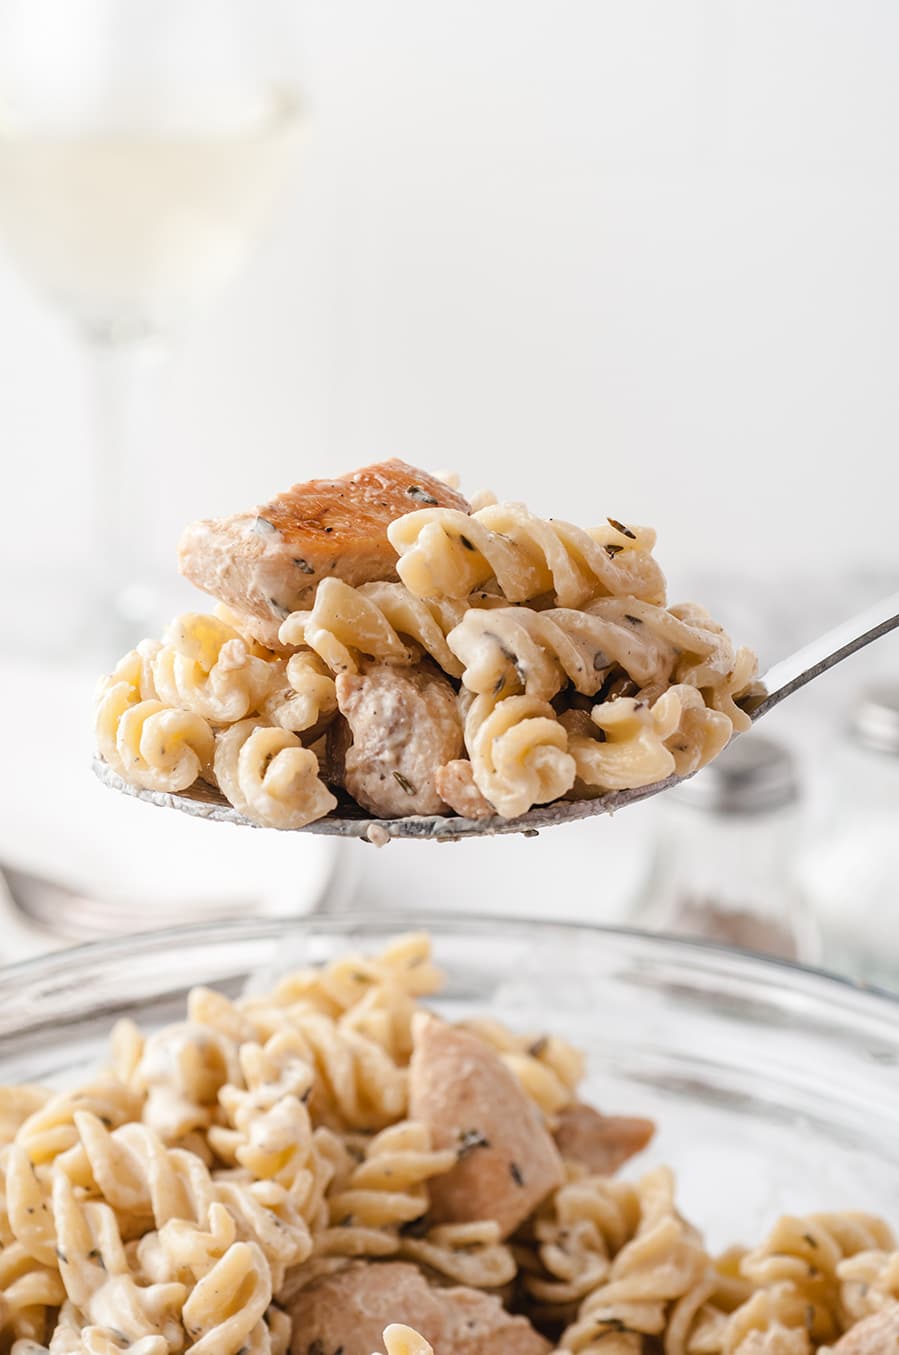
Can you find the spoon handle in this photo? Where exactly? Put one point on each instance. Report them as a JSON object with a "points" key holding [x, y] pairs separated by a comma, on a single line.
{"points": [[787, 676]]}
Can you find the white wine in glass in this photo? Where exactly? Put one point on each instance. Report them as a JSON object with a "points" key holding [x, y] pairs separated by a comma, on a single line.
{"points": [[144, 145], [129, 227]]}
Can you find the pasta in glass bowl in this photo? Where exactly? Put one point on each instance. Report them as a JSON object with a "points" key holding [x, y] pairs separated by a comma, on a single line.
{"points": [[773, 1089]]}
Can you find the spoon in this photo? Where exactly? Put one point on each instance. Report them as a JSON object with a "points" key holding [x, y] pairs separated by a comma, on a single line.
{"points": [[781, 681]]}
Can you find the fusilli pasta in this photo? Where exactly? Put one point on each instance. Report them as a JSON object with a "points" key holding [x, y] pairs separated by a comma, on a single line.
{"points": [[371, 620], [268, 775], [445, 553], [519, 753]]}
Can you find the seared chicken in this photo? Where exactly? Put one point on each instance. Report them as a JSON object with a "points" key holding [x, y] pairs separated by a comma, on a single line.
{"points": [[601, 1143], [268, 562], [461, 1089]]}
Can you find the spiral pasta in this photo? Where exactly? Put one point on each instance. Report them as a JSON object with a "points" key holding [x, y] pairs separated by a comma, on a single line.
{"points": [[29, 1292], [660, 1264], [445, 553], [269, 776], [868, 1281], [801, 1258], [470, 1254], [519, 753], [404, 968], [302, 696], [371, 620], [699, 1321], [370, 1202], [150, 744], [179, 1071], [632, 742], [576, 1235], [206, 667]]}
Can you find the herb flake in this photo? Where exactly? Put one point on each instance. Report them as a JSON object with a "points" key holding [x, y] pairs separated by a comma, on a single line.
{"points": [[469, 1140], [421, 495], [620, 527]]}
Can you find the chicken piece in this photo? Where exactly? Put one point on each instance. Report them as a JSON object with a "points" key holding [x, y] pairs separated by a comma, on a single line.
{"points": [[874, 1335], [405, 724], [454, 783], [601, 1143], [268, 562], [349, 1310], [477, 1324], [507, 1161]]}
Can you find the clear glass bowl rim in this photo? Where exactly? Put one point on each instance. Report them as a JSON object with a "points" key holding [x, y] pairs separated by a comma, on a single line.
{"points": [[817, 986]]}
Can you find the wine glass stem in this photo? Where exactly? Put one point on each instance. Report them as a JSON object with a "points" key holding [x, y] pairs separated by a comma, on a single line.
{"points": [[122, 600]]}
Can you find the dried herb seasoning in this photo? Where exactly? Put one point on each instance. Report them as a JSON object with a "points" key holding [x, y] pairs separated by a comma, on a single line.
{"points": [[421, 495], [620, 527], [469, 1140]]}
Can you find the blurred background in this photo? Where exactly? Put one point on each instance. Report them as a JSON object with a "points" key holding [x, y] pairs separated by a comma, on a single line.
{"points": [[636, 260]]}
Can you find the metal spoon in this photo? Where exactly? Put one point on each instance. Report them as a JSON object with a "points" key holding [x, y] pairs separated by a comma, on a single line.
{"points": [[780, 681]]}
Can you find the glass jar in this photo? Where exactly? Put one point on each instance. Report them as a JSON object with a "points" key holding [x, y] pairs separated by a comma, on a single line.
{"points": [[851, 872], [723, 866]]}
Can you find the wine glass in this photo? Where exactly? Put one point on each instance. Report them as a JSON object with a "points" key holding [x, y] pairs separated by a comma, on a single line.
{"points": [[143, 147]]}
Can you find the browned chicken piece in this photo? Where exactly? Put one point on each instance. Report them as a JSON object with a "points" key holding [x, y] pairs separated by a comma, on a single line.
{"points": [[267, 562], [455, 784], [405, 725], [507, 1161], [601, 1143], [349, 1310], [874, 1335]]}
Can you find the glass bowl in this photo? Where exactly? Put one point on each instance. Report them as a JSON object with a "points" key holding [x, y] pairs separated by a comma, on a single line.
{"points": [[774, 1088]]}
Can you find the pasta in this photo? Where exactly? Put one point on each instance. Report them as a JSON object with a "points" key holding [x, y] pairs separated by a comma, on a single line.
{"points": [[547, 650], [656, 1268], [345, 622], [630, 742], [206, 667], [448, 554], [268, 775], [191, 1199], [150, 744], [575, 1237], [519, 753]]}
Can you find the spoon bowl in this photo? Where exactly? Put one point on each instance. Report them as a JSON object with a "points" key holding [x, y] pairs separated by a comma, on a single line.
{"points": [[348, 820]]}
